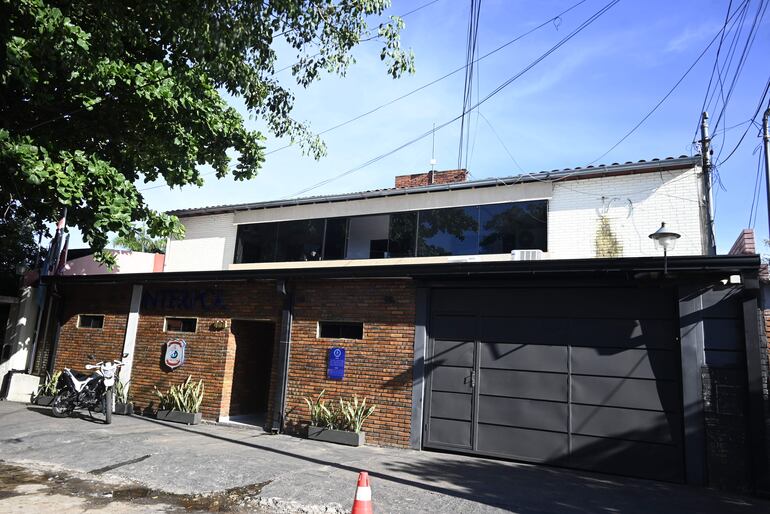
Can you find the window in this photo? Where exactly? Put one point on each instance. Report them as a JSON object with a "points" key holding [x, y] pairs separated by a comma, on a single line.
{"points": [[299, 240], [402, 233], [336, 238], [471, 230], [181, 324], [513, 226], [340, 330], [90, 321], [448, 232], [256, 242]]}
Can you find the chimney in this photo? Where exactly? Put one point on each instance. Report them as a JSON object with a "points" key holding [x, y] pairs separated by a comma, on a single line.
{"points": [[431, 177]]}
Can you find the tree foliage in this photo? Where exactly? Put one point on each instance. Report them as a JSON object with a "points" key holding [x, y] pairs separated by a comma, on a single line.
{"points": [[97, 97], [18, 246]]}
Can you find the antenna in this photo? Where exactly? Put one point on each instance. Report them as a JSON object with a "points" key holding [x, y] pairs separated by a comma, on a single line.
{"points": [[433, 150]]}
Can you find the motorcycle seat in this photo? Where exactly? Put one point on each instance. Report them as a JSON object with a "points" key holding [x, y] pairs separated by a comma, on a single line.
{"points": [[79, 375]]}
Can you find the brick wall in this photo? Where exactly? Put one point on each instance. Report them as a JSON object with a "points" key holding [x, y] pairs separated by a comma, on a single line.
{"points": [[439, 177], [210, 352], [107, 342], [379, 367]]}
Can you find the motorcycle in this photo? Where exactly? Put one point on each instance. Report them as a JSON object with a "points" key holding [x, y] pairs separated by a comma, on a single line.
{"points": [[93, 392]]}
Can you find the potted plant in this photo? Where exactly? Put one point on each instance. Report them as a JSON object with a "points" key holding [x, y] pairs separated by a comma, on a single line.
{"points": [[338, 423], [123, 405], [47, 390], [181, 403]]}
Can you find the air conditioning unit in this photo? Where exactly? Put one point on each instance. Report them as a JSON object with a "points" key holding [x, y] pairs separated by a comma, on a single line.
{"points": [[526, 255]]}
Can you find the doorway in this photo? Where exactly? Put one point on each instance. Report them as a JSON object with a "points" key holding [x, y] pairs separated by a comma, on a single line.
{"points": [[254, 341]]}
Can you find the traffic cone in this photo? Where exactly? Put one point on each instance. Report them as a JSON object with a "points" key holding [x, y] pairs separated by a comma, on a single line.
{"points": [[363, 501]]}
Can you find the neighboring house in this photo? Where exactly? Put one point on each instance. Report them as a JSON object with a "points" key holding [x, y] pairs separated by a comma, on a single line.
{"points": [[527, 318], [22, 322]]}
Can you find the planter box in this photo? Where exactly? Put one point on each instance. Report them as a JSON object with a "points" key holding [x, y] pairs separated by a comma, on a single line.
{"points": [[124, 409], [336, 436], [189, 418], [43, 400]]}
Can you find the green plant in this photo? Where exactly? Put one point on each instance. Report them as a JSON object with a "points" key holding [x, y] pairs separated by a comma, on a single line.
{"points": [[346, 415], [121, 391], [50, 386], [355, 413], [184, 397]]}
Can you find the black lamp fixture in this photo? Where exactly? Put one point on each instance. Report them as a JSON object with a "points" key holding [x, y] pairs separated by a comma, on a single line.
{"points": [[665, 239]]}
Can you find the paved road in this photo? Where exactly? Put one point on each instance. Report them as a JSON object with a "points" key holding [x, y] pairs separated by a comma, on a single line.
{"points": [[289, 472]]}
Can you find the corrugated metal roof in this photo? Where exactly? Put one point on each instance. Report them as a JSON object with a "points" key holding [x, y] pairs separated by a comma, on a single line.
{"points": [[629, 167]]}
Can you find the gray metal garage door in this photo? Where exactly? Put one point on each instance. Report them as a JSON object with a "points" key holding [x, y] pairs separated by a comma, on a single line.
{"points": [[580, 377]]}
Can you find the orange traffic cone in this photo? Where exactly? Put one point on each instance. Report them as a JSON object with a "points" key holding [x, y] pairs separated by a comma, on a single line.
{"points": [[363, 502]]}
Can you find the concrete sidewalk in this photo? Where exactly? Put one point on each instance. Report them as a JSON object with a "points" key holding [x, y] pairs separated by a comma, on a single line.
{"points": [[184, 460]]}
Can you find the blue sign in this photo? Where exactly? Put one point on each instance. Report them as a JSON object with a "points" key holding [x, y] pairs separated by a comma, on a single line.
{"points": [[336, 369]]}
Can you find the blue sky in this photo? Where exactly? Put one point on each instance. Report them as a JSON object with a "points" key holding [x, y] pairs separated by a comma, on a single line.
{"points": [[565, 112]]}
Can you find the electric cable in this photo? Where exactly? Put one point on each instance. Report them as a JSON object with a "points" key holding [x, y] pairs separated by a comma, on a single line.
{"points": [[494, 92]]}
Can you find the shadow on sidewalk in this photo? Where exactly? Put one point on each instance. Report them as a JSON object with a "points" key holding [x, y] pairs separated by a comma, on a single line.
{"points": [[525, 488]]}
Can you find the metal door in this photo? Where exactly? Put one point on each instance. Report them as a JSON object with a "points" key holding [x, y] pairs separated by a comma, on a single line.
{"points": [[580, 377]]}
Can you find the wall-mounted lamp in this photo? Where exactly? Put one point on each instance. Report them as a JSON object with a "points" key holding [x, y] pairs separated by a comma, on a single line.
{"points": [[219, 324], [665, 239]]}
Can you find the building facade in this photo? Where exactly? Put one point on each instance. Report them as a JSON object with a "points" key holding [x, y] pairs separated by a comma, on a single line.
{"points": [[527, 318]]}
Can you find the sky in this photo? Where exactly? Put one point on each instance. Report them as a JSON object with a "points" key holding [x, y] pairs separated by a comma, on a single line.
{"points": [[566, 111]]}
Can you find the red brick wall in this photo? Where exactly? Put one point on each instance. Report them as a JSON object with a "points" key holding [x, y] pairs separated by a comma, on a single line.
{"points": [[439, 177], [210, 353], [106, 343], [379, 367]]}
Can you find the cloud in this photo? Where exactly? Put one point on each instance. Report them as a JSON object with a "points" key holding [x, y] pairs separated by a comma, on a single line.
{"points": [[690, 36]]}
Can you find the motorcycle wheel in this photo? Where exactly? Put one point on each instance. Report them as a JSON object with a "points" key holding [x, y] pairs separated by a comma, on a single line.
{"points": [[61, 406], [107, 406]]}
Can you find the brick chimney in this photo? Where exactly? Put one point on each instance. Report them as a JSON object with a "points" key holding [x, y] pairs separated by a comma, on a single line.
{"points": [[424, 179]]}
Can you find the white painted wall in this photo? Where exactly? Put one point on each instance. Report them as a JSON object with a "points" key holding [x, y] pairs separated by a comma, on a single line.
{"points": [[20, 330], [126, 262], [634, 205]]}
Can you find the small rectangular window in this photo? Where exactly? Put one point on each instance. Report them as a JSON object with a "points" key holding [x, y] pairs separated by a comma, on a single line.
{"points": [[181, 324], [340, 330], [90, 321]]}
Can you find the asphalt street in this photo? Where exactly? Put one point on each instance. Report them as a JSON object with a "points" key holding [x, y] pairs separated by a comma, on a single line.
{"points": [[279, 473]]}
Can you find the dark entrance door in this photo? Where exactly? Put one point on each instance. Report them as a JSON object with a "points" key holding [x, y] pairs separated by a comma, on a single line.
{"points": [[581, 377], [254, 341]]}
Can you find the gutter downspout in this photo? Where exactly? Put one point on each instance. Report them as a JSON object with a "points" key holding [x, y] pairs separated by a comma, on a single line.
{"points": [[284, 351]]}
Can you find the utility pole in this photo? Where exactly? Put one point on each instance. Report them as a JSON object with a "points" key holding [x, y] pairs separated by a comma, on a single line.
{"points": [[705, 150], [766, 140]]}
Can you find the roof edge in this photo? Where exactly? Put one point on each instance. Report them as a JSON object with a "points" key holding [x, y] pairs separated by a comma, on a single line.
{"points": [[630, 168]]}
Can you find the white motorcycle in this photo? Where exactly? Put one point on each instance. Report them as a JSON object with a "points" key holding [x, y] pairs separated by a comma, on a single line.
{"points": [[94, 392]]}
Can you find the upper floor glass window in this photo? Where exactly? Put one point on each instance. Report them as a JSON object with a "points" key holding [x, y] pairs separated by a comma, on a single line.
{"points": [[478, 229]]}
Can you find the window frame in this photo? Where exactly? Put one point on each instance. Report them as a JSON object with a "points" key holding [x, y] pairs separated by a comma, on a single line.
{"points": [[80, 325], [319, 329], [166, 329]]}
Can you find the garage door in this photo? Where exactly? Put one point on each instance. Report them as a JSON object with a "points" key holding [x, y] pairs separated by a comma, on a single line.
{"points": [[587, 378]]}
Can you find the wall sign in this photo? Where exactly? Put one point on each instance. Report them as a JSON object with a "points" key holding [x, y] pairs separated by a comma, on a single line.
{"points": [[336, 368], [205, 300], [175, 353]]}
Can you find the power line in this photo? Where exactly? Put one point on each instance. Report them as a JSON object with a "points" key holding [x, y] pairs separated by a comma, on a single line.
{"points": [[755, 195], [660, 102], [443, 77], [494, 92], [753, 119], [470, 61]]}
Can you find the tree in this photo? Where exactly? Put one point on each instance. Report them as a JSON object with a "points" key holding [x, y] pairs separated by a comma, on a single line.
{"points": [[18, 247], [96, 97], [141, 243]]}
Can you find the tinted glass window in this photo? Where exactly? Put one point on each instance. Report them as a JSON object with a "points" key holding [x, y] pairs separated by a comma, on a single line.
{"points": [[402, 234], [300, 240], [336, 238], [90, 321], [513, 226], [256, 243], [181, 324], [448, 232], [340, 330]]}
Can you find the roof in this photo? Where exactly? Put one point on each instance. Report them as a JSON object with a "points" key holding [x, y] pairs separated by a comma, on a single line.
{"points": [[639, 267], [602, 170]]}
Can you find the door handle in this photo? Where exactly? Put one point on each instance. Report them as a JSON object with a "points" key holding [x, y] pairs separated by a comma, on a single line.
{"points": [[473, 379]]}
